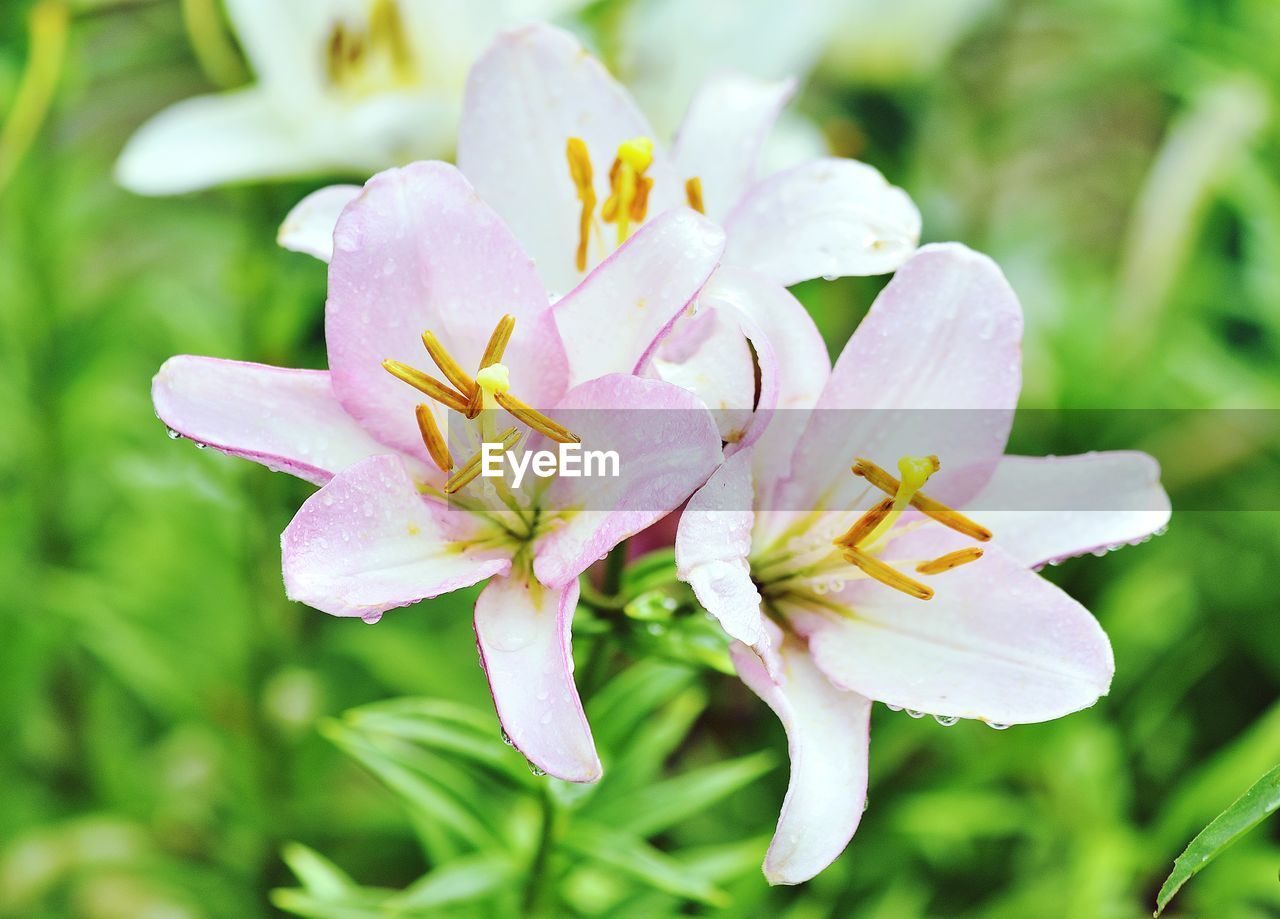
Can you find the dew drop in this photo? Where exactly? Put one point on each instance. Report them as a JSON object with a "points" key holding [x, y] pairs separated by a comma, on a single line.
{"points": [[914, 714], [506, 738], [534, 770], [200, 446], [997, 726], [173, 435], [893, 708], [946, 720]]}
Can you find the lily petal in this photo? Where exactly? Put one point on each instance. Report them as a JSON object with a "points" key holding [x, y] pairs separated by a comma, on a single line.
{"points": [[612, 321], [419, 250], [794, 363], [997, 642], [285, 419], [209, 140], [1045, 509], [667, 445], [934, 368], [723, 133], [827, 736], [522, 630], [526, 96], [827, 218], [708, 354], [368, 542], [309, 226], [712, 545], [283, 42]]}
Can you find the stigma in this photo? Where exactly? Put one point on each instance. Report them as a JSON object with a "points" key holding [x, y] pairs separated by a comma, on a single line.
{"points": [[857, 544], [489, 389]]}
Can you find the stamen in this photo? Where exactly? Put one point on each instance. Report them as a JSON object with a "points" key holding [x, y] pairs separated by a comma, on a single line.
{"points": [[950, 560], [535, 419], [886, 574], [915, 471], [451, 369], [629, 198], [865, 524], [493, 352], [432, 438], [693, 193], [427, 384], [471, 468], [581, 174], [928, 506], [497, 345], [386, 30], [640, 206]]}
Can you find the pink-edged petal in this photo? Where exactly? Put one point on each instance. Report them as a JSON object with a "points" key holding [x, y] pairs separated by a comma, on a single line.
{"points": [[613, 320], [419, 250], [667, 446], [997, 642], [1045, 509], [285, 419], [522, 630], [527, 95], [309, 226], [708, 354], [712, 545], [827, 735], [934, 368], [723, 132], [827, 218], [368, 542], [792, 358]]}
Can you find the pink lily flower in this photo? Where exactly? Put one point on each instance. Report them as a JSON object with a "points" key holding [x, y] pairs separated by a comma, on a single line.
{"points": [[418, 251], [842, 587], [558, 148], [828, 217]]}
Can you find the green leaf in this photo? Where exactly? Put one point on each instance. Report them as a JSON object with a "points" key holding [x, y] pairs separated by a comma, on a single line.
{"points": [[317, 874], [636, 858], [1248, 811], [459, 881], [655, 808], [430, 798]]}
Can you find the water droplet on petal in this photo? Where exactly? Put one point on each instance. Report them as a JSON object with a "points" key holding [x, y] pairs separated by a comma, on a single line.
{"points": [[914, 714], [536, 771], [997, 726], [173, 435], [946, 720], [506, 738]]}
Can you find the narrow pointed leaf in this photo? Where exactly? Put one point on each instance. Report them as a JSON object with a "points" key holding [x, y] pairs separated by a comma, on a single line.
{"points": [[1254, 806]]}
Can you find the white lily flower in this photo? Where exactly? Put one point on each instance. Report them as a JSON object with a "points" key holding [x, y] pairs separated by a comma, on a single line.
{"points": [[341, 86]]}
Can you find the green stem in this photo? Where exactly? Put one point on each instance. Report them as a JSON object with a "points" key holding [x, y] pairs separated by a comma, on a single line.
{"points": [[535, 892], [613, 568]]}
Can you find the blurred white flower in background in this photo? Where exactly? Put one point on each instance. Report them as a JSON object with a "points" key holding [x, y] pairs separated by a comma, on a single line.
{"points": [[341, 86], [666, 48], [882, 42]]}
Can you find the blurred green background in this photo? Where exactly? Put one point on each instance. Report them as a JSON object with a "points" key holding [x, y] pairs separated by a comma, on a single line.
{"points": [[172, 733]]}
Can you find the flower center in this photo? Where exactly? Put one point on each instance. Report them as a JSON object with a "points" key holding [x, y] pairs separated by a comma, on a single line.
{"points": [[360, 61], [856, 552], [488, 390]]}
